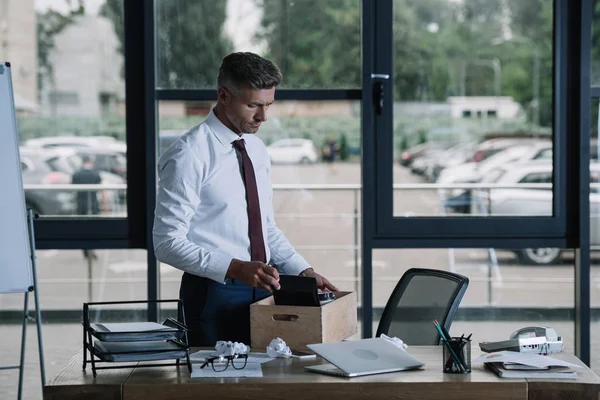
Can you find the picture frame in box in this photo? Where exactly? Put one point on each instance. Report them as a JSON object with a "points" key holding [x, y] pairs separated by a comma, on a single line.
{"points": [[299, 325]]}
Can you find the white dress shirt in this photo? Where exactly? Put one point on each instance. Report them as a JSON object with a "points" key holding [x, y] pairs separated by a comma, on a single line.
{"points": [[201, 217]]}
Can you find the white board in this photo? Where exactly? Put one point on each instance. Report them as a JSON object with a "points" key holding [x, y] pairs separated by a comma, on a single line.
{"points": [[15, 254]]}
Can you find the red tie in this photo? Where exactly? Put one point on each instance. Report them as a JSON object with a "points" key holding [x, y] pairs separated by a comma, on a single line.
{"points": [[257, 243]]}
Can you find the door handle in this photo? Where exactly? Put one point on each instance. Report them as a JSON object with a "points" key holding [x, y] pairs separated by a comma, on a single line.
{"points": [[379, 92], [378, 96]]}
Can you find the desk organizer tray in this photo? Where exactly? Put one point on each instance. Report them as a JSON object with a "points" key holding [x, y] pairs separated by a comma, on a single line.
{"points": [[135, 342], [139, 351], [107, 332]]}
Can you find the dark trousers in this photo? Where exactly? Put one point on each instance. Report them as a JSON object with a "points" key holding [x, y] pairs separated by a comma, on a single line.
{"points": [[214, 311]]}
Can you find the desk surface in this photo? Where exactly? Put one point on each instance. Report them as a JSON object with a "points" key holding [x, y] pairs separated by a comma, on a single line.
{"points": [[287, 378]]}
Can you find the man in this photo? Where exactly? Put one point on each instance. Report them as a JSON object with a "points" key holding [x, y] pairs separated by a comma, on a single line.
{"points": [[329, 150], [214, 215], [87, 200]]}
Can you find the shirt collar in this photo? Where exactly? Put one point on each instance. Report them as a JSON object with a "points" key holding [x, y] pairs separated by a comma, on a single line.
{"points": [[223, 134]]}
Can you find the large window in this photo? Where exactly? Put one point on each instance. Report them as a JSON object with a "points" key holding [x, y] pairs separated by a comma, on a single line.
{"points": [[465, 118], [428, 133]]}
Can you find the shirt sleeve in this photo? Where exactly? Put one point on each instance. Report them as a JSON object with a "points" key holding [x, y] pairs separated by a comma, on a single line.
{"points": [[283, 254], [180, 181]]}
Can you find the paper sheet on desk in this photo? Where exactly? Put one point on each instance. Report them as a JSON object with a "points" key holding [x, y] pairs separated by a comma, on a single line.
{"points": [[253, 358], [534, 360], [253, 370]]}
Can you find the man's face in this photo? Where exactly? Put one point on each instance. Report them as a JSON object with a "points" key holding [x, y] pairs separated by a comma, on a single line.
{"points": [[247, 108]]}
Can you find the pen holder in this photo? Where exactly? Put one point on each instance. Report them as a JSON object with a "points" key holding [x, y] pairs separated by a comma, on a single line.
{"points": [[457, 356]]}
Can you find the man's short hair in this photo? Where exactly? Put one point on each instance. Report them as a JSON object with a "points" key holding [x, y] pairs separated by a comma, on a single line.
{"points": [[250, 70]]}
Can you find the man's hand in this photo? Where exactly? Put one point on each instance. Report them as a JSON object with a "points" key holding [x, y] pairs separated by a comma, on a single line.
{"points": [[322, 282], [254, 273]]}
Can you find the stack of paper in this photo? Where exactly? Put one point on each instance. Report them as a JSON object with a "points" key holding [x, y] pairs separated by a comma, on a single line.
{"points": [[512, 364], [135, 331], [138, 351]]}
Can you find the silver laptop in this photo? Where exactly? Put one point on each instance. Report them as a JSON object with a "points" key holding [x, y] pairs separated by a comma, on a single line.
{"points": [[362, 357]]}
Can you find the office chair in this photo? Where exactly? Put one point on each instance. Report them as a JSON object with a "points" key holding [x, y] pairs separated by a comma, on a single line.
{"points": [[421, 296]]}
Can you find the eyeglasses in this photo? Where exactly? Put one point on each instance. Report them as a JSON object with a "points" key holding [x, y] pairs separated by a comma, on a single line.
{"points": [[220, 363]]}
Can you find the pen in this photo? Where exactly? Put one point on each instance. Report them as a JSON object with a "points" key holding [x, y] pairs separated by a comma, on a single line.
{"points": [[452, 353]]}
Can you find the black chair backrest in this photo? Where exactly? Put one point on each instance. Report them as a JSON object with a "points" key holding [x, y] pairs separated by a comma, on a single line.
{"points": [[421, 296]]}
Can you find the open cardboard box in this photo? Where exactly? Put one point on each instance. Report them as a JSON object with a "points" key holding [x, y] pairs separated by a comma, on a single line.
{"points": [[299, 326]]}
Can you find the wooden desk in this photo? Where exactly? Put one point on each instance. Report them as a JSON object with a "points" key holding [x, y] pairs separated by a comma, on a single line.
{"points": [[286, 378], [73, 383]]}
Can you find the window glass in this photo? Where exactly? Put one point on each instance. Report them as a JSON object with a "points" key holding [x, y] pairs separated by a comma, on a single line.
{"points": [[315, 43], [474, 80], [69, 91], [316, 198], [69, 278]]}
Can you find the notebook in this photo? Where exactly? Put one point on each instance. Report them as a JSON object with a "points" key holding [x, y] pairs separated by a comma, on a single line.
{"points": [[528, 372]]}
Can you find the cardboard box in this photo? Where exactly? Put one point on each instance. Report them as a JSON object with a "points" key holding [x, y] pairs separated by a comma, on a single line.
{"points": [[299, 326]]}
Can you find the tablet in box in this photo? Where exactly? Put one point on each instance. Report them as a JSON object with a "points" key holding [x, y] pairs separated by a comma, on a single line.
{"points": [[296, 291]]}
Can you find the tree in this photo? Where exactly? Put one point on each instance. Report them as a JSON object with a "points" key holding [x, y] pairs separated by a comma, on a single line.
{"points": [[531, 23], [315, 43], [596, 44], [48, 25], [420, 66], [113, 10], [190, 40]]}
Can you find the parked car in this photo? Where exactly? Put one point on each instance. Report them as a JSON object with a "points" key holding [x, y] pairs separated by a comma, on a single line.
{"points": [[302, 151], [426, 158], [530, 202], [70, 141], [492, 146], [409, 155], [66, 161], [106, 160], [456, 155], [473, 171], [459, 200], [36, 171]]}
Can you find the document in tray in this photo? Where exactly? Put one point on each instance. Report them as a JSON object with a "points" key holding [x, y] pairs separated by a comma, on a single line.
{"points": [[529, 359], [138, 351], [253, 357], [251, 370], [132, 327], [136, 331]]}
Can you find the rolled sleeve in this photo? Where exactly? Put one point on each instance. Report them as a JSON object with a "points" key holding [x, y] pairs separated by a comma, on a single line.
{"points": [[180, 179]]}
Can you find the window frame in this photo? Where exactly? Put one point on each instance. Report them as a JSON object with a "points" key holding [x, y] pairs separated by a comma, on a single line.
{"points": [[530, 231]]}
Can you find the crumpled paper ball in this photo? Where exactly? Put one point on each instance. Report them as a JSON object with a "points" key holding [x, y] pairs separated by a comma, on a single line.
{"points": [[227, 348], [395, 340], [278, 348]]}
